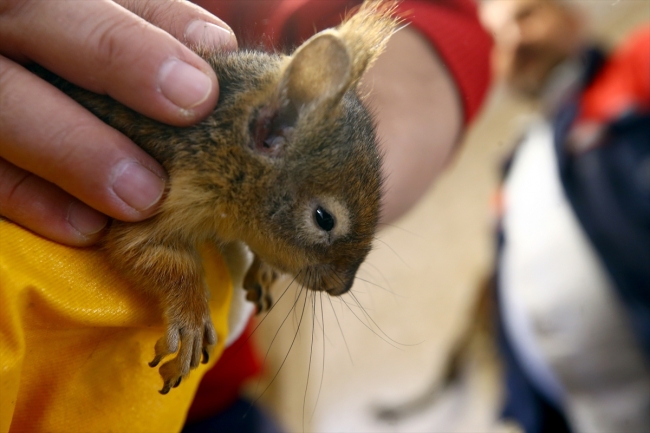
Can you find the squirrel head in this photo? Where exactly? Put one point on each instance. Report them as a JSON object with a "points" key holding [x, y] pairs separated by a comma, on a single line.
{"points": [[305, 178]]}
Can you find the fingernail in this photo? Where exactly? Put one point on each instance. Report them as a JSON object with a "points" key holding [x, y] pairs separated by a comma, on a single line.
{"points": [[203, 33], [183, 84], [137, 186], [85, 219]]}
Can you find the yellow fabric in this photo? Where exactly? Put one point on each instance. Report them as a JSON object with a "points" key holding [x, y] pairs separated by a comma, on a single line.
{"points": [[75, 340]]}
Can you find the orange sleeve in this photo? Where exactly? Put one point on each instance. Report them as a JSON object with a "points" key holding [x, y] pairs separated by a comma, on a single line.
{"points": [[75, 339], [623, 83]]}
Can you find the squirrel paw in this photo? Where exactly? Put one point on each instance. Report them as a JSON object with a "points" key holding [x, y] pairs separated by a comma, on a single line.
{"points": [[257, 283], [196, 343]]}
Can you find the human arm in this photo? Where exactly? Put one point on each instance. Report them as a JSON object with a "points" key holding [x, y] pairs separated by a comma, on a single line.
{"points": [[419, 118], [430, 84]]}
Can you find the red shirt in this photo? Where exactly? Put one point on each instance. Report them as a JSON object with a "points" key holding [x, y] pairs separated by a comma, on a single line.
{"points": [[452, 27], [623, 83]]}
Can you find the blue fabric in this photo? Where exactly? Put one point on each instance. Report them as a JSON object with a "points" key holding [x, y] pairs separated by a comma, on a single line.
{"points": [[241, 417], [608, 188], [523, 403]]}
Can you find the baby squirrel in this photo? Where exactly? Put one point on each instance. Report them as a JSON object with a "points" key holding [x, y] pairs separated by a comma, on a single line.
{"points": [[287, 163]]}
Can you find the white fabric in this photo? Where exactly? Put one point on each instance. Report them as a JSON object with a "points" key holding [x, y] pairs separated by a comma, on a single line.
{"points": [[528, 196], [560, 309], [238, 259]]}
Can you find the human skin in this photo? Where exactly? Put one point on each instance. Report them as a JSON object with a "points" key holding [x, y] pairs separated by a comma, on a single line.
{"points": [[419, 118], [63, 172], [531, 37]]}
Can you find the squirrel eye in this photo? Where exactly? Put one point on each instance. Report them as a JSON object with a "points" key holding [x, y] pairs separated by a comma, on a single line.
{"points": [[324, 219]]}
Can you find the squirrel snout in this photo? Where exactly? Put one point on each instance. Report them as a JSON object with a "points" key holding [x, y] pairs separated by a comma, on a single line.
{"points": [[340, 289], [328, 279]]}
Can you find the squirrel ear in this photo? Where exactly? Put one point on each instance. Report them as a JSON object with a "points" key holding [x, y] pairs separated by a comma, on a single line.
{"points": [[319, 71]]}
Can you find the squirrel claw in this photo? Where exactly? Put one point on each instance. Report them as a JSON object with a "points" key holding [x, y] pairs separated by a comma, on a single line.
{"points": [[191, 340], [166, 387], [258, 282], [155, 361]]}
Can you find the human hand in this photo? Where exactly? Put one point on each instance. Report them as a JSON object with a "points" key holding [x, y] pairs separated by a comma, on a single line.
{"points": [[62, 170]]}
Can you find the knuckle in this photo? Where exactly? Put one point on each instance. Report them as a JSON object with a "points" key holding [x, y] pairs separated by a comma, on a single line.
{"points": [[162, 14], [11, 181], [65, 142], [110, 47], [156, 12], [13, 7], [8, 80]]}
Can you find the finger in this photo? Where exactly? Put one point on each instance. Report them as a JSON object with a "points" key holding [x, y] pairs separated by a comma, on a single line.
{"points": [[105, 48], [47, 210], [46, 133], [187, 22]]}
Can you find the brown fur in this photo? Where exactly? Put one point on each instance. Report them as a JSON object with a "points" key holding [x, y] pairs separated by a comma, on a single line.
{"points": [[288, 135]]}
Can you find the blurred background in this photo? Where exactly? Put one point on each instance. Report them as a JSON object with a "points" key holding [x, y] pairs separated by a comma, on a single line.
{"points": [[327, 370]]}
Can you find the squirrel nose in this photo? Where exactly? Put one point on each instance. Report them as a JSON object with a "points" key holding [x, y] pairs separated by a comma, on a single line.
{"points": [[334, 280], [342, 289]]}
